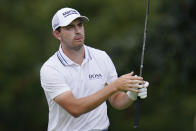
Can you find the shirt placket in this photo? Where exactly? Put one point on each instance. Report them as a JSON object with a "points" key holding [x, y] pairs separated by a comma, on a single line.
{"points": [[81, 76]]}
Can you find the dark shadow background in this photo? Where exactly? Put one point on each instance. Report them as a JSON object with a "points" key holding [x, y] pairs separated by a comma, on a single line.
{"points": [[115, 26]]}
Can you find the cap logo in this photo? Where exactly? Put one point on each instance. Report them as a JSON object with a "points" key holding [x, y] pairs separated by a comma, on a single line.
{"points": [[70, 12]]}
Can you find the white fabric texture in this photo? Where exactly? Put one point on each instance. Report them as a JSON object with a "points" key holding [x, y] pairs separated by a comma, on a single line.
{"points": [[65, 16], [59, 74]]}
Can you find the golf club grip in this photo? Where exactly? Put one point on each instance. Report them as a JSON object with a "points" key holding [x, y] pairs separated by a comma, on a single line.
{"points": [[136, 121]]}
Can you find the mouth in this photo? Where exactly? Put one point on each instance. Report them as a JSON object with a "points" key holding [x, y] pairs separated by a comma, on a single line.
{"points": [[78, 38]]}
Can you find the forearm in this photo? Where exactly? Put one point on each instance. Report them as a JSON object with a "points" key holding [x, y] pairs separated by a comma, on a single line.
{"points": [[88, 103], [120, 100], [79, 106]]}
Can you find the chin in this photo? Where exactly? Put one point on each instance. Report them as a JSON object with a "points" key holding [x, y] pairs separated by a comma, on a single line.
{"points": [[78, 46]]}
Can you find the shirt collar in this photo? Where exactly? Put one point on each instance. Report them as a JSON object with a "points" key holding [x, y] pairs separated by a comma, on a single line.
{"points": [[87, 55], [66, 61]]}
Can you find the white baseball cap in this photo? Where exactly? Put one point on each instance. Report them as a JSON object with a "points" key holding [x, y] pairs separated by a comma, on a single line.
{"points": [[65, 16]]}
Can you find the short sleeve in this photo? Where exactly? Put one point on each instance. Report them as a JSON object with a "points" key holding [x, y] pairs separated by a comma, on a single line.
{"points": [[112, 74], [52, 81]]}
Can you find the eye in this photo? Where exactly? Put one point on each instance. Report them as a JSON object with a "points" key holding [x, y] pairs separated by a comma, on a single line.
{"points": [[69, 27], [80, 24]]}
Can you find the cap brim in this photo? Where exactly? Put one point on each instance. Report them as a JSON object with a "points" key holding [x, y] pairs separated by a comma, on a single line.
{"points": [[83, 18]]}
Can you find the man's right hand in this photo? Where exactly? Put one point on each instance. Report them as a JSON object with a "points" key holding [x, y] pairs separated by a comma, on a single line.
{"points": [[128, 82]]}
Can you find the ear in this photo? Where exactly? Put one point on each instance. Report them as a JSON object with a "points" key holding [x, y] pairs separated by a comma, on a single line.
{"points": [[56, 34]]}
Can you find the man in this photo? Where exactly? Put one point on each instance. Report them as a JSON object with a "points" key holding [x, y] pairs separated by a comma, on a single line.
{"points": [[78, 79]]}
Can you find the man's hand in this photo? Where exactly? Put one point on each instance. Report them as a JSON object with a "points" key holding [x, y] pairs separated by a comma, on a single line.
{"points": [[128, 82], [142, 92]]}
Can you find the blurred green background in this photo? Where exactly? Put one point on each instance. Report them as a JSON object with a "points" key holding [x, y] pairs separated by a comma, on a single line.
{"points": [[115, 26]]}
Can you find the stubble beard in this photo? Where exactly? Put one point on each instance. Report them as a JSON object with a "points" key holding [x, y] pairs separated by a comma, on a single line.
{"points": [[77, 45], [73, 45]]}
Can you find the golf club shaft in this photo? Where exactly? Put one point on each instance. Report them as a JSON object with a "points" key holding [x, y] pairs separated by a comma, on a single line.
{"points": [[136, 121]]}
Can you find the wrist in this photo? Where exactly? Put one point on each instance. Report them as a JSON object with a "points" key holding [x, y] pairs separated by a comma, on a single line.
{"points": [[115, 84], [112, 87]]}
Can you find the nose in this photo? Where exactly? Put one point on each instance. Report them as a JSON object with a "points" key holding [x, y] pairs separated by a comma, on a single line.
{"points": [[77, 29]]}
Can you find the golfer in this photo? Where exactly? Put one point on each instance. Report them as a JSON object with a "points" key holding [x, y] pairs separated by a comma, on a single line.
{"points": [[78, 79]]}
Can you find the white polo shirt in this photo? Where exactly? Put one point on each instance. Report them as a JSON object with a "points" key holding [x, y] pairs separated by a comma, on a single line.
{"points": [[59, 74]]}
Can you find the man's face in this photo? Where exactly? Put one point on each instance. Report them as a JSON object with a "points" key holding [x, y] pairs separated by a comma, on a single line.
{"points": [[72, 36]]}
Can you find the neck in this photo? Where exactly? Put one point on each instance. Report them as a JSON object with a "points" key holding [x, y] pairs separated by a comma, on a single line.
{"points": [[76, 54]]}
